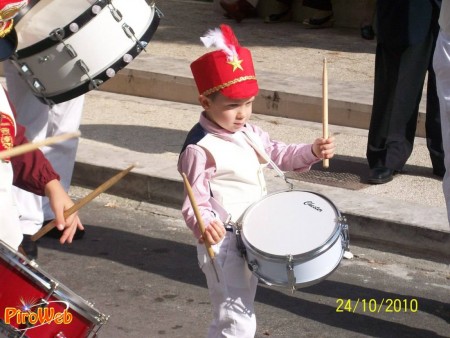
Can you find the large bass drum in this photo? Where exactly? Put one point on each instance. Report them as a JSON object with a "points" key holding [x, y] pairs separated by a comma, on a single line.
{"points": [[292, 238], [67, 48]]}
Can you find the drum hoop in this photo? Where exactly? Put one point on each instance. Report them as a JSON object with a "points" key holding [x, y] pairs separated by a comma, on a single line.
{"points": [[48, 42], [305, 256], [117, 66], [270, 281], [38, 277]]}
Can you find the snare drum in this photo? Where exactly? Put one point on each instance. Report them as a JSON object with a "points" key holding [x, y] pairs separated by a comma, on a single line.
{"points": [[36, 305], [67, 48], [292, 238]]}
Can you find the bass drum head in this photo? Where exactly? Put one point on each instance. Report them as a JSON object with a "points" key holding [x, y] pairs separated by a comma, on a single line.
{"points": [[44, 17], [290, 223]]}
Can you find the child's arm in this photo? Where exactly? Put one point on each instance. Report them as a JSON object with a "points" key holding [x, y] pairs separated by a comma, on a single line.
{"points": [[199, 169], [297, 157]]}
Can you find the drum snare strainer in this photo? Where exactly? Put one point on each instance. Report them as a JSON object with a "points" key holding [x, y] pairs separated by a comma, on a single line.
{"points": [[292, 238]]}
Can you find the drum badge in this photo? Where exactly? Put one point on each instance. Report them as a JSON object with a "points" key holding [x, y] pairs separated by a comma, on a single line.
{"points": [[7, 132]]}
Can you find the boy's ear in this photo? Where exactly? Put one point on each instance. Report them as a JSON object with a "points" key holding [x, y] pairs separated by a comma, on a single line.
{"points": [[204, 101]]}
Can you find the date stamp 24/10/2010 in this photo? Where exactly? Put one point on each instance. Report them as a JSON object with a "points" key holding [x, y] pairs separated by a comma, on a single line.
{"points": [[372, 305]]}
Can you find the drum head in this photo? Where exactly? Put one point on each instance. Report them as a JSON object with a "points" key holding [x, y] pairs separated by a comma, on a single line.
{"points": [[44, 17], [290, 223]]}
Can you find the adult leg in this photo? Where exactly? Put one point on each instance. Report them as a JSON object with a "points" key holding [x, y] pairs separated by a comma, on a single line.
{"points": [[441, 63], [433, 119], [399, 79]]}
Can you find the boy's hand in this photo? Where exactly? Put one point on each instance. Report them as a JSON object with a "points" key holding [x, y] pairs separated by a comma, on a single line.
{"points": [[214, 233], [324, 148]]}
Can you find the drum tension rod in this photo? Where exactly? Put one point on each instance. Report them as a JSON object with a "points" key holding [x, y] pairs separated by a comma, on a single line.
{"points": [[58, 34], [85, 69], [114, 11], [130, 33], [290, 272]]}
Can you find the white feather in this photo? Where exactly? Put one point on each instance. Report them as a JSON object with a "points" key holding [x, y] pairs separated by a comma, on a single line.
{"points": [[214, 37]]}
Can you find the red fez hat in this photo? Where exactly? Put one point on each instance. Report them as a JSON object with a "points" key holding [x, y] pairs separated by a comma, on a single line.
{"points": [[8, 37], [228, 70]]}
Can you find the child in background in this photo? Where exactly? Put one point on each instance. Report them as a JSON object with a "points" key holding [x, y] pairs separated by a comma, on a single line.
{"points": [[223, 158]]}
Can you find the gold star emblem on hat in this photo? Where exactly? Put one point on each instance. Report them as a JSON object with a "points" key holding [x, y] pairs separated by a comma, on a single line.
{"points": [[236, 63]]}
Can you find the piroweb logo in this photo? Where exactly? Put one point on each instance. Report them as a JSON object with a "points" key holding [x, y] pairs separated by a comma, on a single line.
{"points": [[38, 314]]}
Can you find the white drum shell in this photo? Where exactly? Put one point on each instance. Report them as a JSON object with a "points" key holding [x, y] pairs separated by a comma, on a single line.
{"points": [[299, 226]]}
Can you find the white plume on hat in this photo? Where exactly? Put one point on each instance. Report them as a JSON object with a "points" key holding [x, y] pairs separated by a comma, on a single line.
{"points": [[216, 38]]}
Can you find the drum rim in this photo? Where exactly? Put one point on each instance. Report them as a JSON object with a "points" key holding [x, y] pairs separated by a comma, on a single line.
{"points": [[301, 256], [269, 281], [41, 45], [118, 65], [32, 270]]}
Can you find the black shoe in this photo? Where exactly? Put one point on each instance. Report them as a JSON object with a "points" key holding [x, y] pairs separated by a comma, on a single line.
{"points": [[29, 247], [279, 17], [381, 175], [56, 234], [367, 32], [439, 172], [324, 22]]}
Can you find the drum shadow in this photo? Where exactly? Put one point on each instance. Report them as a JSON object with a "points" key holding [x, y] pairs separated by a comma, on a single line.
{"points": [[136, 138], [142, 241], [127, 248]]}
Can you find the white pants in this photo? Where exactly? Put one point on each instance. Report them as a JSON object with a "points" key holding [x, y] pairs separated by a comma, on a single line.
{"points": [[233, 297], [441, 65], [42, 122], [10, 231]]}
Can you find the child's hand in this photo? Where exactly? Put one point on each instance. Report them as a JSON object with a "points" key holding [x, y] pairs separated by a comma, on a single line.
{"points": [[214, 233], [59, 202], [324, 148]]}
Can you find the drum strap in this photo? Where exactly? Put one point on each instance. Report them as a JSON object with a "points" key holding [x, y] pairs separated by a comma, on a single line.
{"points": [[266, 157]]}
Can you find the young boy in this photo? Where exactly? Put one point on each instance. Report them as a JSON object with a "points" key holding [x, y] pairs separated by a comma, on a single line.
{"points": [[30, 171], [223, 158]]}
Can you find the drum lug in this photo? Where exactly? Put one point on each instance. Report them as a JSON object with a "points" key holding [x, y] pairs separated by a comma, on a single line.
{"points": [[157, 10], [115, 12], [94, 83], [240, 243], [58, 34], [253, 266], [290, 273], [39, 89], [345, 232]]}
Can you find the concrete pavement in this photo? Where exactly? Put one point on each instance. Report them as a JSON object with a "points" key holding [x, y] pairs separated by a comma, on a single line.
{"points": [[144, 112]]}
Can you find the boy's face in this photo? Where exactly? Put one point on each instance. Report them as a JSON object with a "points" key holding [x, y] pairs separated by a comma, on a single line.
{"points": [[230, 114]]}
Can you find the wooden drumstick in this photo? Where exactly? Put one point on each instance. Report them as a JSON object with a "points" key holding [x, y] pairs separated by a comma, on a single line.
{"points": [[200, 223], [27, 147], [325, 162], [85, 200]]}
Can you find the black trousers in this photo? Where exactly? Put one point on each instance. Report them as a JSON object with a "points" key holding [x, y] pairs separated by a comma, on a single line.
{"points": [[399, 78]]}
